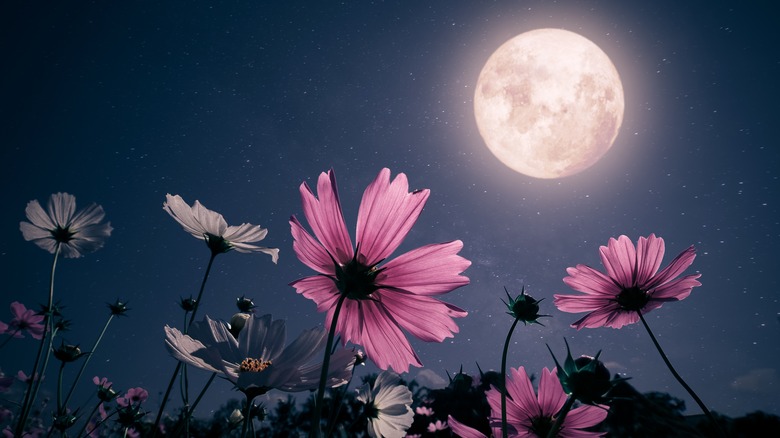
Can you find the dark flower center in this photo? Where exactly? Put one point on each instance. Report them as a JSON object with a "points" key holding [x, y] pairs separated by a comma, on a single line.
{"points": [[632, 298], [356, 280], [252, 365], [541, 425], [371, 411], [62, 235], [217, 244]]}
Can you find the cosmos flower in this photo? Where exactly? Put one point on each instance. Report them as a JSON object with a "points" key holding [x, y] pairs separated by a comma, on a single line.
{"points": [[388, 406], [76, 233], [257, 360], [437, 425], [531, 415], [133, 397], [380, 300], [212, 228], [631, 285], [25, 320]]}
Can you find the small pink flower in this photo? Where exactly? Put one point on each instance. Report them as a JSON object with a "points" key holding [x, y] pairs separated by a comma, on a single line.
{"points": [[438, 425], [132, 433], [423, 410], [632, 283], [134, 396], [380, 300], [102, 382], [25, 320], [23, 377]]}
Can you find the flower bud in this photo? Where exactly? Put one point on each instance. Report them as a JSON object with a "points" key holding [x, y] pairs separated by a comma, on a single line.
{"points": [[68, 353], [245, 304], [188, 304], [524, 307], [119, 308], [237, 323]]}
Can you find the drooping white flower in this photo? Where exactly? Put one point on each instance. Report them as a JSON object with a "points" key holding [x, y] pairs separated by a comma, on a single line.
{"points": [[388, 406], [257, 360], [212, 228], [76, 233]]}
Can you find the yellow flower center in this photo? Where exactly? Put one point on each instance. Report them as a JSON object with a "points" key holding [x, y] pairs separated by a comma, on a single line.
{"points": [[252, 365]]}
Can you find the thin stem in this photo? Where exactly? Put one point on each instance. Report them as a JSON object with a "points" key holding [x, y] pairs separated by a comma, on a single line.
{"points": [[678, 377], [60, 406], [89, 417], [195, 404], [315, 422], [247, 416], [200, 293], [89, 356], [556, 426], [504, 432], [339, 406], [186, 329], [29, 396], [10, 336]]}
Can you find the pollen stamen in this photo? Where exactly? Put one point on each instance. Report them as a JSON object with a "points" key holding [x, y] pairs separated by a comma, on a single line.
{"points": [[253, 365]]}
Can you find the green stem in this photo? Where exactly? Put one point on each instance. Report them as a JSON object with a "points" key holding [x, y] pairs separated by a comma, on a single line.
{"points": [[678, 377], [10, 336], [186, 329], [559, 419], [89, 417], [247, 414], [315, 423], [89, 356], [29, 395], [504, 431], [60, 406], [195, 404]]}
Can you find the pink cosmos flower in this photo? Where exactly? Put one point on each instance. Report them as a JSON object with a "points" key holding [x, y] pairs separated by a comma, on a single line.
{"points": [[631, 285], [380, 301], [437, 425], [25, 320], [531, 415], [77, 233], [424, 411], [134, 396]]}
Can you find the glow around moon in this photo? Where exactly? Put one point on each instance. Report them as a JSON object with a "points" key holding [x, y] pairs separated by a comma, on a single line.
{"points": [[549, 103]]}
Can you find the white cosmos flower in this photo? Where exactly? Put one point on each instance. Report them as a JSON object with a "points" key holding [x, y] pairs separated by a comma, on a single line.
{"points": [[388, 406], [211, 227], [76, 233], [257, 360]]}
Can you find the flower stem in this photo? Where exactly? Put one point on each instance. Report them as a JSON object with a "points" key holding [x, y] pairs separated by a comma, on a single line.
{"points": [[559, 419], [89, 356], [29, 396], [504, 432], [247, 416], [677, 376], [60, 406], [10, 336], [315, 422], [89, 417], [188, 413], [179, 364]]}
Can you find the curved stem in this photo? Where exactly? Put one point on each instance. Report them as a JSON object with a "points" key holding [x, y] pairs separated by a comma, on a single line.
{"points": [[89, 356], [315, 422], [10, 336], [678, 377], [200, 293], [556, 426], [29, 396], [504, 432], [186, 329]]}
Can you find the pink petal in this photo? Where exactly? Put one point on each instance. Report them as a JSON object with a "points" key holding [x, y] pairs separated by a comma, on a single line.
{"points": [[387, 213], [462, 430], [309, 251], [583, 278], [522, 392], [426, 318], [430, 270], [585, 416], [619, 258], [325, 217], [650, 252], [678, 289], [581, 303], [320, 289], [611, 316], [551, 395], [516, 414], [678, 265], [383, 340]]}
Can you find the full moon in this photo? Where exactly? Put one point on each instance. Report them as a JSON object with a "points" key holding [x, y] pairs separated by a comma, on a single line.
{"points": [[549, 103]]}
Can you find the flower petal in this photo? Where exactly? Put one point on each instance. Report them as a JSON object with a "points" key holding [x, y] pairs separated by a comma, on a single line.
{"points": [[583, 278], [309, 251], [675, 268], [38, 217], [384, 342], [429, 270], [551, 394], [183, 214], [650, 252], [324, 215], [424, 317], [461, 430], [678, 289], [619, 258], [61, 208], [387, 213]]}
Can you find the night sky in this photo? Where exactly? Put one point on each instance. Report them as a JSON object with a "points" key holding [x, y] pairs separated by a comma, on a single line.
{"points": [[237, 103]]}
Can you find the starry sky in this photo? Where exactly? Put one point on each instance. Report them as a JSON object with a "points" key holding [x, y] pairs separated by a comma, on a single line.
{"points": [[237, 103]]}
